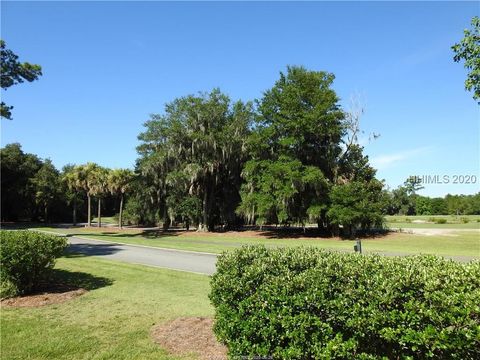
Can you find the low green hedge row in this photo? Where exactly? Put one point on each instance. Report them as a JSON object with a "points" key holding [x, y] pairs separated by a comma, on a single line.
{"points": [[307, 303], [25, 258]]}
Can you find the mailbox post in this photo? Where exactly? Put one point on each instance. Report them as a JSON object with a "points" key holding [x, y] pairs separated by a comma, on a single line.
{"points": [[358, 246]]}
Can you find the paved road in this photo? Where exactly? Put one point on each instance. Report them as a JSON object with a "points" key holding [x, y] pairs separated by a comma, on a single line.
{"points": [[202, 263], [197, 262]]}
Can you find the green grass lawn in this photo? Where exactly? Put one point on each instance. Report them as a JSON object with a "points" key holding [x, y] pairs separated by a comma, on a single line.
{"points": [[464, 243], [111, 321], [106, 220], [453, 222]]}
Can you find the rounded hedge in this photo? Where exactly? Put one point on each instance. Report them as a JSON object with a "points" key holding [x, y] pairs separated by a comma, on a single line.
{"points": [[307, 303], [26, 257]]}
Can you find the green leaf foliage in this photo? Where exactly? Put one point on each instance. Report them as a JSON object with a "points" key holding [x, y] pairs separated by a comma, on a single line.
{"points": [[356, 205], [26, 258], [196, 148], [308, 303], [14, 72], [299, 150], [468, 50], [277, 191], [47, 186], [18, 192]]}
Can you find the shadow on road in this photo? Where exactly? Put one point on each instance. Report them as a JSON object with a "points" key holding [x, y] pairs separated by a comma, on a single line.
{"points": [[80, 250]]}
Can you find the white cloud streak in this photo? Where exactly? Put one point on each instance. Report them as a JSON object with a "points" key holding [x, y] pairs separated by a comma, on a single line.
{"points": [[388, 160]]}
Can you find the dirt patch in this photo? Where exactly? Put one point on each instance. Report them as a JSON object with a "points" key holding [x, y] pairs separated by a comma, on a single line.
{"points": [[185, 336], [53, 294], [441, 232]]}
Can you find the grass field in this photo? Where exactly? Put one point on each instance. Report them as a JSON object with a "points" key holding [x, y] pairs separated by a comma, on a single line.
{"points": [[460, 243], [106, 220], [428, 222], [112, 321]]}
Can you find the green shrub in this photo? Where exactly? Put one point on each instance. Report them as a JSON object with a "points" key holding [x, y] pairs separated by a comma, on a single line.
{"points": [[408, 220], [26, 258], [307, 303], [440, 221], [7, 288], [465, 220]]}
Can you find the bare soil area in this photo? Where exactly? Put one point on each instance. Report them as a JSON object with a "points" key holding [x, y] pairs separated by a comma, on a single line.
{"points": [[53, 294], [442, 232], [192, 335]]}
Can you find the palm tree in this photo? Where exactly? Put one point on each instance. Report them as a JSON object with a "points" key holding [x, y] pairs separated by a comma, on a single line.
{"points": [[119, 181], [72, 178], [86, 180], [99, 183]]}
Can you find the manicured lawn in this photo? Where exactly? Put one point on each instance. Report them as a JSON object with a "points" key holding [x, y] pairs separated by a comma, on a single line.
{"points": [[465, 243], [409, 225], [112, 321], [106, 220], [428, 222], [461, 243]]}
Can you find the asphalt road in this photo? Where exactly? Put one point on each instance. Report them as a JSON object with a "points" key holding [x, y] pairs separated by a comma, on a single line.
{"points": [[202, 263]]}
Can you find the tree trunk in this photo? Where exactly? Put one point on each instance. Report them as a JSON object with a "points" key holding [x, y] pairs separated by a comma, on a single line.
{"points": [[203, 225], [205, 210], [46, 213], [166, 218], [121, 212], [74, 211], [99, 212], [89, 212]]}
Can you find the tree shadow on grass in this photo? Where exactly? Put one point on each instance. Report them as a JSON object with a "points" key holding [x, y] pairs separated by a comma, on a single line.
{"points": [[313, 233], [111, 235], [81, 279], [60, 281], [156, 233]]}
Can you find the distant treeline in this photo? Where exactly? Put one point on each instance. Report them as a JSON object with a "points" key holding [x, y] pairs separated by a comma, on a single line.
{"points": [[401, 202], [289, 158], [34, 190]]}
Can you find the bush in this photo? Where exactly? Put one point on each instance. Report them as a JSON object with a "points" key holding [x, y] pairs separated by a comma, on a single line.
{"points": [[26, 258], [7, 288], [441, 221], [307, 303], [465, 220]]}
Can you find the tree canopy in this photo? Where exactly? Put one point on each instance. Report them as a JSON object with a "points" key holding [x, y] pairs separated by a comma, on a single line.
{"points": [[14, 72], [196, 149], [468, 50], [299, 150]]}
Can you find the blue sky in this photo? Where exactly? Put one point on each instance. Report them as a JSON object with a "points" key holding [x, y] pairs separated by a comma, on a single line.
{"points": [[108, 65]]}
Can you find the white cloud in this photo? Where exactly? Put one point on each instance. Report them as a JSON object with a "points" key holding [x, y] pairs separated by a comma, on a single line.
{"points": [[387, 160]]}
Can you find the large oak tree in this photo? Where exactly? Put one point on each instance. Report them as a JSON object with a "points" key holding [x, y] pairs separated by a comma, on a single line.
{"points": [[303, 145], [198, 144]]}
